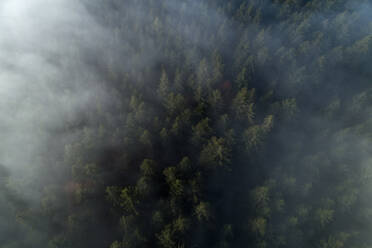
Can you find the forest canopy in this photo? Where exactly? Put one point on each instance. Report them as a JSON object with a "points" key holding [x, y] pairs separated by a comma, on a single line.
{"points": [[185, 124]]}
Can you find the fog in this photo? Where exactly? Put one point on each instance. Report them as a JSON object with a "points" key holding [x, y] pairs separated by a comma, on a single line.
{"points": [[47, 75], [44, 79], [56, 57]]}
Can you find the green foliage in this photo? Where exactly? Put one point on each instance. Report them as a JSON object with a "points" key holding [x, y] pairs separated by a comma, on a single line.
{"points": [[243, 105], [215, 153], [251, 127], [203, 212], [258, 226]]}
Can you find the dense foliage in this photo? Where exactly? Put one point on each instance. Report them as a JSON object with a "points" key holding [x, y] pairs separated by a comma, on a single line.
{"points": [[231, 123]]}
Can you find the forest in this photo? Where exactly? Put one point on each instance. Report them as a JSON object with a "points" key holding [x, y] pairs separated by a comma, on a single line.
{"points": [[186, 124]]}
